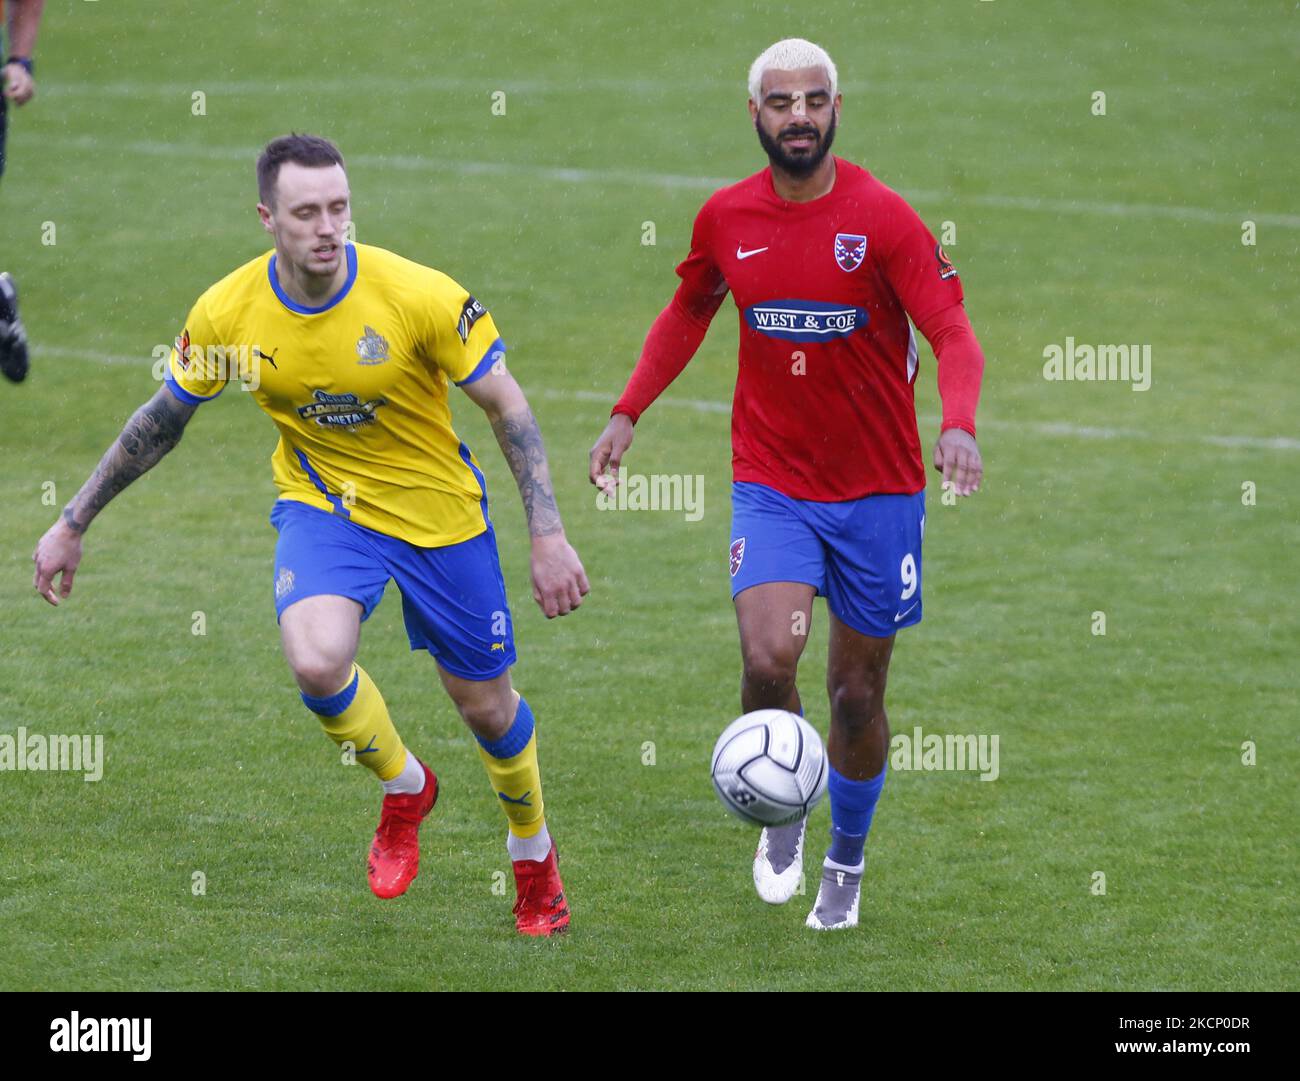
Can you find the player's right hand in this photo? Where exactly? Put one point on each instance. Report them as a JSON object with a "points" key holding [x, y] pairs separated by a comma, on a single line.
{"points": [[19, 86], [607, 454], [957, 457], [58, 551], [559, 582]]}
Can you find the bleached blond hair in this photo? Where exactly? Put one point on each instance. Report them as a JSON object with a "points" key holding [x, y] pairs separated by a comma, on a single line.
{"points": [[789, 55]]}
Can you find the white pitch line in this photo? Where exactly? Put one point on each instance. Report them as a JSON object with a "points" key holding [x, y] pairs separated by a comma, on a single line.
{"points": [[1037, 427], [731, 90], [357, 83], [571, 175], [704, 405], [89, 354], [1112, 210], [700, 405], [405, 162]]}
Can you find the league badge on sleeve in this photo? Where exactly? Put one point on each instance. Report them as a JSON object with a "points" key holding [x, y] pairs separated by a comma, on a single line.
{"points": [[946, 269], [182, 347], [470, 314], [850, 250]]}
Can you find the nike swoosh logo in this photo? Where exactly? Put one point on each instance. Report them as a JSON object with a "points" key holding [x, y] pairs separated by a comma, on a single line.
{"points": [[742, 254], [902, 614]]}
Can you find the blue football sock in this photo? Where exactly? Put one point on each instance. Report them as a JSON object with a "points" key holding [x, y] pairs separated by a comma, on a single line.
{"points": [[852, 805]]}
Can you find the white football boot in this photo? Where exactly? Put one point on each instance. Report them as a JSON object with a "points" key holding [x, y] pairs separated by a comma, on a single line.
{"points": [[837, 897], [778, 863]]}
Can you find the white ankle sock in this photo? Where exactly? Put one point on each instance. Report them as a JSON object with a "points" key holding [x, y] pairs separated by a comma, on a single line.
{"points": [[537, 847], [409, 781]]}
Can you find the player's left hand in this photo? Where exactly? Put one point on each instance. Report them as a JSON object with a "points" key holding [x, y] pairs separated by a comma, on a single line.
{"points": [[958, 458], [19, 85], [559, 582]]}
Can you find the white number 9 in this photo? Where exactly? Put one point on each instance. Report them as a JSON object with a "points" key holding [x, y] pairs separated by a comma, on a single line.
{"points": [[908, 572]]}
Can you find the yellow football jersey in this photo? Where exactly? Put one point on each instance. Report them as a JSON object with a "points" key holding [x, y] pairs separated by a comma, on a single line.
{"points": [[357, 387]]}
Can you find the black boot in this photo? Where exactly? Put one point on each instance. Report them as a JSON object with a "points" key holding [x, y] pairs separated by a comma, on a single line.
{"points": [[13, 338]]}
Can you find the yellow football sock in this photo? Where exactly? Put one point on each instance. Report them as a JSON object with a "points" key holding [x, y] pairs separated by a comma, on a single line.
{"points": [[357, 715], [511, 763]]}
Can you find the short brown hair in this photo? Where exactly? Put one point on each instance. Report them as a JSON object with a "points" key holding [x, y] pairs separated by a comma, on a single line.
{"points": [[309, 150]]}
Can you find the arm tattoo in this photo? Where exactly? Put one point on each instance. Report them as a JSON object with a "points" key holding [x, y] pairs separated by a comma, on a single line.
{"points": [[521, 443], [151, 432]]}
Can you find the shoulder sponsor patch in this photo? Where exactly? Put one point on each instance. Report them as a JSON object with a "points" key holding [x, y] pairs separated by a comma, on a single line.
{"points": [[805, 320], [470, 313], [946, 269]]}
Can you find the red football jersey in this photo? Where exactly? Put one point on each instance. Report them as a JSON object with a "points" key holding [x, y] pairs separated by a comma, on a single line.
{"points": [[824, 406]]}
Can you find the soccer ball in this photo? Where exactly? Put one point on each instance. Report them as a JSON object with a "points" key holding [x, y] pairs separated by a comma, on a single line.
{"points": [[769, 767]]}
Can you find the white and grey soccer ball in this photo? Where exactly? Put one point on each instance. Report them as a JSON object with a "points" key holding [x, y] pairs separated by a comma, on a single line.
{"points": [[769, 767]]}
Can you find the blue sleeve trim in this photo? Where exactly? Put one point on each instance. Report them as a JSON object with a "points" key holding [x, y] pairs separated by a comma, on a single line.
{"points": [[494, 352], [516, 739], [303, 309], [188, 397]]}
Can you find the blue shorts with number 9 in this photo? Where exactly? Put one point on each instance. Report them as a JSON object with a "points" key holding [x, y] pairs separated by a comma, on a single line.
{"points": [[862, 555]]}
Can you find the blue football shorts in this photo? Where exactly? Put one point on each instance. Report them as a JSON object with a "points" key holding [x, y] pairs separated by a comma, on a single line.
{"points": [[862, 555], [453, 597]]}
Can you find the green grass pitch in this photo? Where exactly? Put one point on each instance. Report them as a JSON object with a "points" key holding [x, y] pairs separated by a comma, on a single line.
{"points": [[1120, 753]]}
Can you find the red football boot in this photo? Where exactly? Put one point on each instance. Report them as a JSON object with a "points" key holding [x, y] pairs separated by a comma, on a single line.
{"points": [[395, 853], [541, 909]]}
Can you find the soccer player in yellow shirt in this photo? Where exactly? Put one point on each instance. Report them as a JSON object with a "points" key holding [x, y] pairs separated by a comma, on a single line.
{"points": [[350, 350]]}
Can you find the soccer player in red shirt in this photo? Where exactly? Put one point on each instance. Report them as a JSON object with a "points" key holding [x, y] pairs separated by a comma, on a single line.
{"points": [[826, 265]]}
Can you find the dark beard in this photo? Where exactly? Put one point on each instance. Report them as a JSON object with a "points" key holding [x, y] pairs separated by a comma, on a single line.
{"points": [[803, 164]]}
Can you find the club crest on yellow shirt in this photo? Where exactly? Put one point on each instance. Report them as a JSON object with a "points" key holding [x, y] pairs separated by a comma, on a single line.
{"points": [[372, 347]]}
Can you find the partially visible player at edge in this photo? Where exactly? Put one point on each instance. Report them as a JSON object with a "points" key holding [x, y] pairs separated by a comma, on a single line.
{"points": [[17, 84], [825, 264], [350, 349]]}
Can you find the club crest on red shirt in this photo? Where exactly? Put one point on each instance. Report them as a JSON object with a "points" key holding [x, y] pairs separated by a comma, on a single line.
{"points": [[850, 250], [737, 555]]}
